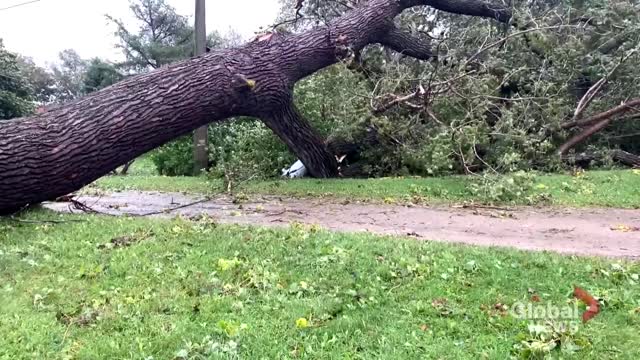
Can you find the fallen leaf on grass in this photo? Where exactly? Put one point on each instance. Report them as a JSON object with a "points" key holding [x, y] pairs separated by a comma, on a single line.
{"points": [[625, 228], [125, 241], [593, 307], [497, 309], [85, 318]]}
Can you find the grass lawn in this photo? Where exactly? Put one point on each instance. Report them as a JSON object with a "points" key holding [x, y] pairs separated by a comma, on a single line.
{"points": [[116, 288], [615, 188]]}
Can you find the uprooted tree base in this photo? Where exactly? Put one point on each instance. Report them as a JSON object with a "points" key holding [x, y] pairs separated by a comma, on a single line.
{"points": [[60, 151]]}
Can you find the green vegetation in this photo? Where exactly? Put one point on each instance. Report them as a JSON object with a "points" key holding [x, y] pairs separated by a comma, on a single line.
{"points": [[595, 188], [143, 176], [108, 287], [15, 93], [613, 188], [490, 105]]}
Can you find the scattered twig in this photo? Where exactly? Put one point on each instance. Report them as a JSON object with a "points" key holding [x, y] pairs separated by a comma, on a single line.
{"points": [[498, 42], [164, 211], [477, 206], [78, 205], [299, 212]]}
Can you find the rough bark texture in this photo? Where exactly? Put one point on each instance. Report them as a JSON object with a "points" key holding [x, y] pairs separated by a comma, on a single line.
{"points": [[626, 158], [60, 151]]}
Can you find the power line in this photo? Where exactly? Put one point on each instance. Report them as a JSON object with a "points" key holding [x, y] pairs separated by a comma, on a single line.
{"points": [[20, 4]]}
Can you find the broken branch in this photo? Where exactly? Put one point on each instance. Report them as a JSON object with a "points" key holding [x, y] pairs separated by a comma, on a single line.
{"points": [[618, 110]]}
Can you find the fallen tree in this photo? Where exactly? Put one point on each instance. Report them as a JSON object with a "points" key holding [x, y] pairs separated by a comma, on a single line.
{"points": [[60, 151], [587, 159]]}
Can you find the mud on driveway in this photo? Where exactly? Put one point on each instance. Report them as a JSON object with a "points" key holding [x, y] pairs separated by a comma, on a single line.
{"points": [[601, 232]]}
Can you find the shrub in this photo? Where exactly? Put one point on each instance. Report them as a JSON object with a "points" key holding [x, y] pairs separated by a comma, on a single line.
{"points": [[175, 158]]}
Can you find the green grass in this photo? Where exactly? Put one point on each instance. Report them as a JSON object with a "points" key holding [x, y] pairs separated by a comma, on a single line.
{"points": [[614, 188], [186, 184], [201, 290], [143, 176]]}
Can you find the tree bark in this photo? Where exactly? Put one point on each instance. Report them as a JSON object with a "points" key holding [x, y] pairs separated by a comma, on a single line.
{"points": [[621, 156], [60, 151], [626, 158], [125, 168], [303, 141]]}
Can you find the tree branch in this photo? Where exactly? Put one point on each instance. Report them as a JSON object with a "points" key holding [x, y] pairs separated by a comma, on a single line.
{"points": [[479, 8], [597, 123], [593, 91], [407, 44], [400, 100], [618, 110], [614, 43], [583, 136], [302, 140]]}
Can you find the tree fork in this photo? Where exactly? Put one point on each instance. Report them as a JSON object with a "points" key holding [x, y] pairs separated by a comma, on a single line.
{"points": [[55, 153], [303, 141]]}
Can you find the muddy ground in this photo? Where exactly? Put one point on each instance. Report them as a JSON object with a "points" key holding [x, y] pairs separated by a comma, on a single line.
{"points": [[601, 232]]}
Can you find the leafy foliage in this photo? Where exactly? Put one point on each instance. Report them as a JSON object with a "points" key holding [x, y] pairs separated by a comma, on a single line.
{"points": [[490, 104], [494, 101], [15, 93], [174, 158], [69, 76], [246, 149], [100, 74], [41, 81]]}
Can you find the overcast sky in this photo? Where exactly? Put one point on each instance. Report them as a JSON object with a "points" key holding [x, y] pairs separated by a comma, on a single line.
{"points": [[44, 28]]}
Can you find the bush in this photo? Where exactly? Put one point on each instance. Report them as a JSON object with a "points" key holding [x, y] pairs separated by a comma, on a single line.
{"points": [[246, 148], [501, 189], [175, 158]]}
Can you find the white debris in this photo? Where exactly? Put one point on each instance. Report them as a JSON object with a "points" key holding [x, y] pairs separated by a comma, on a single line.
{"points": [[297, 170]]}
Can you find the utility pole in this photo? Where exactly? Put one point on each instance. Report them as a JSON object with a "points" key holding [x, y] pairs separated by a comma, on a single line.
{"points": [[200, 136]]}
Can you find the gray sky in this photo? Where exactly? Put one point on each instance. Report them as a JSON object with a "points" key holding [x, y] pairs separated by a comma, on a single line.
{"points": [[44, 28]]}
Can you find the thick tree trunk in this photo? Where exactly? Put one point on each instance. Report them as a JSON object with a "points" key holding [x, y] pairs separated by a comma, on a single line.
{"points": [[125, 168], [60, 151], [585, 159], [626, 158], [303, 140]]}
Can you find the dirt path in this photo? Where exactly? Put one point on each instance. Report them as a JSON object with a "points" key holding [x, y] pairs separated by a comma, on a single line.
{"points": [[570, 231]]}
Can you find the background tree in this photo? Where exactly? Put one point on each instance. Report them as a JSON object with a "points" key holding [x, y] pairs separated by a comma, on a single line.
{"points": [[100, 74], [163, 37], [16, 95], [68, 75], [40, 80]]}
